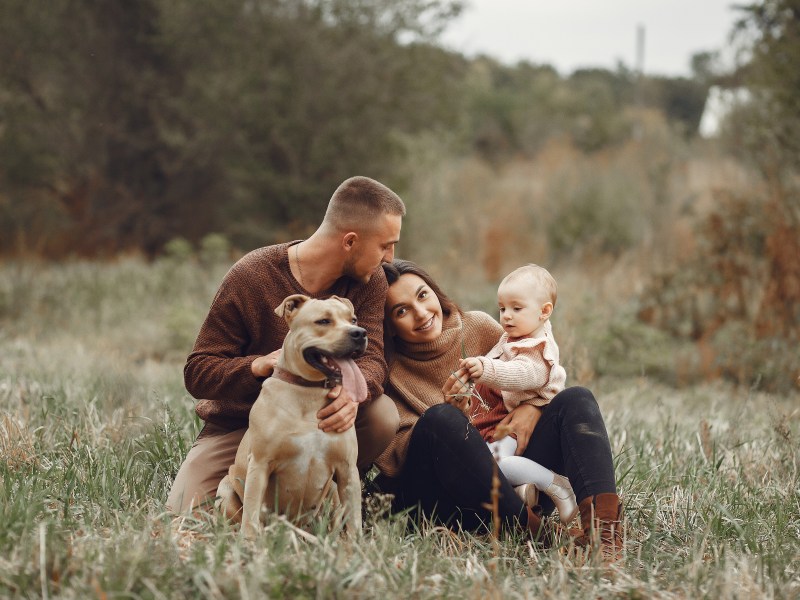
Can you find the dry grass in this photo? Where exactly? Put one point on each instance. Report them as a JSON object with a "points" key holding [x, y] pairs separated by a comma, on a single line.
{"points": [[95, 423]]}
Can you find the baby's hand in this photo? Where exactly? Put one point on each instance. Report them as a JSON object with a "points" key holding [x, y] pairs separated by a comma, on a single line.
{"points": [[473, 366]]}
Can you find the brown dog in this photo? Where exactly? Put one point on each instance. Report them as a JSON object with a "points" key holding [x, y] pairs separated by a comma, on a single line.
{"points": [[285, 463]]}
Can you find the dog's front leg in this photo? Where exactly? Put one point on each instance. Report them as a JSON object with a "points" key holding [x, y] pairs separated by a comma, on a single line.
{"points": [[255, 487], [348, 484]]}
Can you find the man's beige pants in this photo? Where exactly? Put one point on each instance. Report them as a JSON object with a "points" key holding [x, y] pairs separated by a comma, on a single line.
{"points": [[214, 451]]}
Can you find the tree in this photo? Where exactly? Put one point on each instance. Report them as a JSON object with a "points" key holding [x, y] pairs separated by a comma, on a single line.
{"points": [[740, 292], [91, 99], [125, 124], [770, 132]]}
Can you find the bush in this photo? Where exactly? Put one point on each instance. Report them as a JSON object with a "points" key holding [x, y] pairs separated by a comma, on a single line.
{"points": [[597, 207], [769, 363], [730, 297]]}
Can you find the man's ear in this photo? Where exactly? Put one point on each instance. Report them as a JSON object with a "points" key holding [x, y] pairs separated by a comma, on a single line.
{"points": [[290, 305], [547, 310], [348, 240]]}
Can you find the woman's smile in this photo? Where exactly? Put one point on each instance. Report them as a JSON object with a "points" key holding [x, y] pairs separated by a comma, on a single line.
{"points": [[427, 324]]}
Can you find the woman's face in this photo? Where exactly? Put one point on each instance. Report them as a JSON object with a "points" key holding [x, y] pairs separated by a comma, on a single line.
{"points": [[414, 311]]}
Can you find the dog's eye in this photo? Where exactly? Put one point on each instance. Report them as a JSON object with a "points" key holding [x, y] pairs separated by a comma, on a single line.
{"points": [[323, 322], [354, 320]]}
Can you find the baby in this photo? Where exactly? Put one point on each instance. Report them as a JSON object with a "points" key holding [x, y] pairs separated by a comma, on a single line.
{"points": [[524, 367]]}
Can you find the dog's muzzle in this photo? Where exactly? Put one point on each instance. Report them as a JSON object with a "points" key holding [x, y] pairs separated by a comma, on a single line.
{"points": [[332, 362]]}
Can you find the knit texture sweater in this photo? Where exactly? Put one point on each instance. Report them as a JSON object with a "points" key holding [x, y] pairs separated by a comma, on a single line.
{"points": [[242, 325], [525, 369], [419, 371]]}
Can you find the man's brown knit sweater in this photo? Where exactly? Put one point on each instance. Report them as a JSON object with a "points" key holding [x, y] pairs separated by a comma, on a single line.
{"points": [[419, 371], [242, 325]]}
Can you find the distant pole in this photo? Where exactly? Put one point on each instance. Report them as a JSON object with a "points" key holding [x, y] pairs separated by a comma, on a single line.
{"points": [[640, 50], [638, 82]]}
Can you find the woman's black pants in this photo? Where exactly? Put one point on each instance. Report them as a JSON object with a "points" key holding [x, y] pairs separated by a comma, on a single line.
{"points": [[448, 470]]}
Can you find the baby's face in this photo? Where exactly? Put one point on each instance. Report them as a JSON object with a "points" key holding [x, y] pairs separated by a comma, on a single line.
{"points": [[521, 305]]}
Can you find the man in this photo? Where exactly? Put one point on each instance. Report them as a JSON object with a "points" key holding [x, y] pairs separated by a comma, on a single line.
{"points": [[240, 340]]}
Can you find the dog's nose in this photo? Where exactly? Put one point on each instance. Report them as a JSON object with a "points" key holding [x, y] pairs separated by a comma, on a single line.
{"points": [[358, 333]]}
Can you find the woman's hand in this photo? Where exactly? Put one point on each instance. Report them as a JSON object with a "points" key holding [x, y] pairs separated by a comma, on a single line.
{"points": [[457, 391], [521, 421]]}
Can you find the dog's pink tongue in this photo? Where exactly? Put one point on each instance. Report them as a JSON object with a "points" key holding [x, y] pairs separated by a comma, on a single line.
{"points": [[352, 379]]}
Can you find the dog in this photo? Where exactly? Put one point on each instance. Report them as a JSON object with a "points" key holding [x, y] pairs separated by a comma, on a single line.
{"points": [[284, 462]]}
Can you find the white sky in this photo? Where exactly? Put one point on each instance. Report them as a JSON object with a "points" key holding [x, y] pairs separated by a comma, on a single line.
{"points": [[593, 33]]}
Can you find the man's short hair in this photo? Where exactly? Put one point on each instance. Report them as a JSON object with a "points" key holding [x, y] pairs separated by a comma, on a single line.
{"points": [[359, 202], [538, 276]]}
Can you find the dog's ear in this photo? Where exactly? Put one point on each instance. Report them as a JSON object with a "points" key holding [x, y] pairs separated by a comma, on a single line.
{"points": [[344, 301], [288, 308]]}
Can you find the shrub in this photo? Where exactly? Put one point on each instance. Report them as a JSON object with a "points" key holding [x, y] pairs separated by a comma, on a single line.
{"points": [[731, 296]]}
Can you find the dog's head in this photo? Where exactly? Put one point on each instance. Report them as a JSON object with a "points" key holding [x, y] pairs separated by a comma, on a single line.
{"points": [[323, 334]]}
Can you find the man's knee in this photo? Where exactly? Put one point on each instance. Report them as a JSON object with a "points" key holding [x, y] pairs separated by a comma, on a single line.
{"points": [[385, 418], [201, 471], [193, 485], [376, 427]]}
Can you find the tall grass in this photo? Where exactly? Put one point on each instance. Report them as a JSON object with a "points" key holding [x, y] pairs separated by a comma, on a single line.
{"points": [[94, 422]]}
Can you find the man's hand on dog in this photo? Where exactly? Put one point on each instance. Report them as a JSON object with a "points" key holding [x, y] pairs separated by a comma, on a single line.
{"points": [[340, 414], [264, 365]]}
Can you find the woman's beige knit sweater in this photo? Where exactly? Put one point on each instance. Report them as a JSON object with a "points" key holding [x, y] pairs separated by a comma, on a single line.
{"points": [[419, 371]]}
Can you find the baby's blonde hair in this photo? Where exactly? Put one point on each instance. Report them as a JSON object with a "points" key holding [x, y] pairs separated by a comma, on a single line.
{"points": [[538, 276]]}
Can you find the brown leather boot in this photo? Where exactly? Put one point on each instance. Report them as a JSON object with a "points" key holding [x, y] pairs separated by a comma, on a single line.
{"points": [[601, 519]]}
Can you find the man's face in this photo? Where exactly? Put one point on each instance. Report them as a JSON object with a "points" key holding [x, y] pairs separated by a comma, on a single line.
{"points": [[373, 248]]}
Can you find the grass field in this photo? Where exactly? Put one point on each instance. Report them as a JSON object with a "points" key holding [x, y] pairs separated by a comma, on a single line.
{"points": [[94, 422]]}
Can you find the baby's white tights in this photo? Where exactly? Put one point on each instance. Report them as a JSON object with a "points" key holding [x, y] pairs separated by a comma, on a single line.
{"points": [[518, 469]]}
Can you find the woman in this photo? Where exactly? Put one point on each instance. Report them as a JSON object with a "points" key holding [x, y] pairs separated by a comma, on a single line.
{"points": [[439, 463]]}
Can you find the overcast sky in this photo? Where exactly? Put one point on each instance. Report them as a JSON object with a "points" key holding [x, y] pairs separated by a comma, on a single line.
{"points": [[593, 33]]}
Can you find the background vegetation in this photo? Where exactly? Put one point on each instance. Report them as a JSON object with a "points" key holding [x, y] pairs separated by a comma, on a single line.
{"points": [[125, 125], [144, 146]]}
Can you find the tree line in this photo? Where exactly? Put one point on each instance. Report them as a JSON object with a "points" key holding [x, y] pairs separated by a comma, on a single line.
{"points": [[125, 124]]}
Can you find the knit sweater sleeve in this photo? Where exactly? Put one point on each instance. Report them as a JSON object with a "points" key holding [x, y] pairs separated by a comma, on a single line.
{"points": [[526, 370], [218, 367]]}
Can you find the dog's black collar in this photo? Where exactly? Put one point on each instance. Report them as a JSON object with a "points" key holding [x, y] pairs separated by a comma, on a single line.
{"points": [[288, 377]]}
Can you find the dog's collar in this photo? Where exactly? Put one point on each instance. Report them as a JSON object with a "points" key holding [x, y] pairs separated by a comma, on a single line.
{"points": [[288, 377]]}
